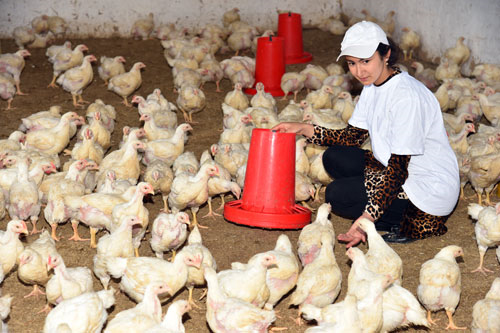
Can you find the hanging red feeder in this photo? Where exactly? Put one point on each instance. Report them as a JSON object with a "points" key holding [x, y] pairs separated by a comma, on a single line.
{"points": [[290, 28]]}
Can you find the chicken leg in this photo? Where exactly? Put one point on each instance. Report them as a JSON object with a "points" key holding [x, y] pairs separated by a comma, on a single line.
{"points": [[93, 232], [451, 324], [194, 210], [480, 268], [9, 103], [190, 298], [34, 219], [53, 83], [35, 292], [210, 210], [53, 234], [76, 236], [125, 101], [429, 318]]}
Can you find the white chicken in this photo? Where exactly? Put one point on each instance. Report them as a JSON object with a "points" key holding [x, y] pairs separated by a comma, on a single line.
{"points": [[146, 314], [66, 59], [263, 98], [33, 262], [137, 272], [10, 245], [190, 100], [110, 67], [440, 283], [13, 63], [143, 27], [236, 98], [66, 282], [315, 76], [84, 313], [309, 242], [159, 174], [320, 281], [169, 232], [487, 230], [486, 312], [232, 314], [190, 190], [409, 42], [5, 304], [292, 82], [339, 317], [125, 84], [167, 150], [172, 321], [116, 244], [78, 78]]}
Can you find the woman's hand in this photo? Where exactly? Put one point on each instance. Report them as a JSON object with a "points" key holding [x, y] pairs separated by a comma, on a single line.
{"points": [[306, 130], [353, 236]]}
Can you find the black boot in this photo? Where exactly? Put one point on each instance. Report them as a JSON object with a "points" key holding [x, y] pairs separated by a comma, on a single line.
{"points": [[395, 236]]}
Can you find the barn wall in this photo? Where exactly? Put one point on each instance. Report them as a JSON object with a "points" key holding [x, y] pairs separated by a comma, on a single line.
{"points": [[439, 23]]}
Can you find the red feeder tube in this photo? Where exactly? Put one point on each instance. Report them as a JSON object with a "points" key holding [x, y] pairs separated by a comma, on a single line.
{"points": [[269, 65], [268, 199], [290, 28]]}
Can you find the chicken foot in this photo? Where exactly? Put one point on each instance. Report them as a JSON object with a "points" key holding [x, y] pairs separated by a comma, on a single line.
{"points": [[429, 318], [221, 207], [93, 232], [76, 236], [195, 220], [125, 102], [53, 234], [165, 205], [190, 298], [451, 324], [9, 103], [210, 210], [53, 83], [18, 90], [35, 292], [480, 268]]}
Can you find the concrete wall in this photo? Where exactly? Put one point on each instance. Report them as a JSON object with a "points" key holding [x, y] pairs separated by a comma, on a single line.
{"points": [[439, 22]]}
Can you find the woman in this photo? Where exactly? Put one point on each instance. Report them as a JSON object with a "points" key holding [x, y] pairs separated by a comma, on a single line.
{"points": [[409, 183]]}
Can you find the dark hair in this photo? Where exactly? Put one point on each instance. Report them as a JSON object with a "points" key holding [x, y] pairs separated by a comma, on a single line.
{"points": [[383, 49]]}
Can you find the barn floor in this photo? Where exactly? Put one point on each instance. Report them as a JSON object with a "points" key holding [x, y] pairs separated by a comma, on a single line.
{"points": [[228, 242]]}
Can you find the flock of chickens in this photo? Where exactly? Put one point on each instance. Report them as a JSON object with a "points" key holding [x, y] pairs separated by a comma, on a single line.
{"points": [[104, 190]]}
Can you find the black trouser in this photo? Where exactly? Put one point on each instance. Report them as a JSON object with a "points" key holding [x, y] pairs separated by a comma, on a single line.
{"points": [[347, 193]]}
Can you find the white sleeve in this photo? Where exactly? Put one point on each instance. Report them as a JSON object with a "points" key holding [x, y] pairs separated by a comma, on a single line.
{"points": [[407, 136], [358, 117]]}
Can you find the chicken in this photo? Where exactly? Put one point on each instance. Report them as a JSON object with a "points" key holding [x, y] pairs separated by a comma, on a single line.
{"points": [[230, 16], [24, 201], [13, 63], [487, 230], [78, 78], [160, 176], [230, 157], [426, 76], [124, 162], [54, 49], [315, 76], [484, 174], [232, 115], [33, 262], [488, 73], [338, 317], [446, 70], [255, 39], [236, 98], [108, 113], [163, 116], [116, 244], [7, 89], [23, 36], [52, 140], [146, 314], [239, 133], [318, 174], [167, 150], [226, 314], [440, 283], [400, 309], [172, 321], [211, 71], [191, 190], [186, 162], [455, 123], [190, 100], [153, 131], [240, 40], [368, 287], [163, 30], [409, 42], [254, 272], [292, 113], [490, 108], [262, 98], [10, 245], [57, 25], [55, 211], [84, 313], [110, 67], [292, 82], [40, 24], [143, 27], [381, 258], [388, 24], [66, 282], [320, 281], [321, 98], [333, 25], [458, 54], [88, 148], [5, 304], [196, 274], [125, 84], [458, 142], [42, 40], [66, 59], [137, 272], [169, 232], [309, 242], [485, 312]]}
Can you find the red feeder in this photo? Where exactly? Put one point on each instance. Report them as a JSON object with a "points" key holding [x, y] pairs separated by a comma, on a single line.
{"points": [[269, 193], [269, 65], [290, 28]]}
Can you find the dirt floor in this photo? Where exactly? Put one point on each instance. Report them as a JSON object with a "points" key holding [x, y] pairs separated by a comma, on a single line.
{"points": [[228, 242]]}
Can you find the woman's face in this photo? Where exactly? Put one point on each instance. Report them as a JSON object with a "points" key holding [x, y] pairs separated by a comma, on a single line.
{"points": [[371, 70]]}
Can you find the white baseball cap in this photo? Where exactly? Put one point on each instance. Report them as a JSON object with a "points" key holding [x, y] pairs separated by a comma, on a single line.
{"points": [[362, 39]]}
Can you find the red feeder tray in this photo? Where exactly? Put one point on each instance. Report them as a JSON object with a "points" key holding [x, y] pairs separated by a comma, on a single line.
{"points": [[268, 199]]}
